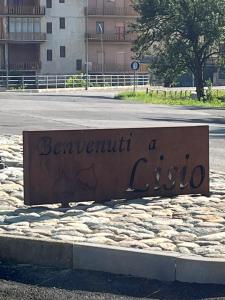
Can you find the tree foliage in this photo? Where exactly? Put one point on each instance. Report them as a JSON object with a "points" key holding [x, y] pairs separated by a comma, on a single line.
{"points": [[181, 34]]}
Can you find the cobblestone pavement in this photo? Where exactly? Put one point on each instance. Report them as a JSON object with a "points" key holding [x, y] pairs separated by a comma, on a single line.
{"points": [[185, 224]]}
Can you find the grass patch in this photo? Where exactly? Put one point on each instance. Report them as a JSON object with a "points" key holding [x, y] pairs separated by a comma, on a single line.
{"points": [[173, 98]]}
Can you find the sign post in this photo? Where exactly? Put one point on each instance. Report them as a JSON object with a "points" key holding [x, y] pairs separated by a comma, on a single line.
{"points": [[63, 166], [135, 65]]}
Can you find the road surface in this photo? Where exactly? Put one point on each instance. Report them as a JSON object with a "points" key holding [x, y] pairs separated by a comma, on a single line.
{"points": [[86, 109]]}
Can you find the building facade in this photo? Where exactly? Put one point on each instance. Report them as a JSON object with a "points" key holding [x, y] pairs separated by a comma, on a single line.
{"points": [[42, 36], [59, 36], [109, 39], [64, 49], [21, 35]]}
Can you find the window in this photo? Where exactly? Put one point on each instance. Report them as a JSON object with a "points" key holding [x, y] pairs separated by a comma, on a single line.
{"points": [[79, 64], [49, 27], [62, 51], [37, 24], [99, 27], [61, 1], [120, 31], [49, 55], [62, 23], [24, 25], [49, 3]]}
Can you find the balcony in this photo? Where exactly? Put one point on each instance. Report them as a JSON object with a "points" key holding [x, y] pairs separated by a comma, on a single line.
{"points": [[22, 10], [25, 66], [112, 11], [23, 36], [112, 37]]}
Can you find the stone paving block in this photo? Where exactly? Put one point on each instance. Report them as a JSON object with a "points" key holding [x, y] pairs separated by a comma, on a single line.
{"points": [[36, 252], [124, 261], [200, 270]]}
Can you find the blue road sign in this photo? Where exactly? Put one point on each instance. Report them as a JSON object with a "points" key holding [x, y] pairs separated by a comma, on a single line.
{"points": [[135, 65]]}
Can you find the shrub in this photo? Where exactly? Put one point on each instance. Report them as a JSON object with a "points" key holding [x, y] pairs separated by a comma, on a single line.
{"points": [[75, 81]]}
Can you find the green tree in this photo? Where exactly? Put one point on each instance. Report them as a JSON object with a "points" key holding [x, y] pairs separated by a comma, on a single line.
{"points": [[182, 34]]}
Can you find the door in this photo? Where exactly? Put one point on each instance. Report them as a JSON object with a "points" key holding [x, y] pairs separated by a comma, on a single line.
{"points": [[120, 31]]}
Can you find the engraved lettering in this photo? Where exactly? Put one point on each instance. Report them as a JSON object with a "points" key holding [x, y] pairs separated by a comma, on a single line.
{"points": [[183, 173], [80, 147], [112, 146], [152, 145], [57, 148], [129, 143], [132, 178], [202, 174], [121, 147], [100, 146], [172, 179], [157, 176], [45, 145], [68, 148], [90, 147]]}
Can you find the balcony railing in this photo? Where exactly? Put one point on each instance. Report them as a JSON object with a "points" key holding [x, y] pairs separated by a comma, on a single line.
{"points": [[112, 37], [25, 66], [22, 10], [116, 68], [112, 11], [23, 36], [110, 68]]}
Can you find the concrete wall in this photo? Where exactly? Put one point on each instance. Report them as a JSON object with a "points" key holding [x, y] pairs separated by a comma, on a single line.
{"points": [[72, 37]]}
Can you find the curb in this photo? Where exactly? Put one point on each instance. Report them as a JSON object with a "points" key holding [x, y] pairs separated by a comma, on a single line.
{"points": [[55, 90], [117, 260]]}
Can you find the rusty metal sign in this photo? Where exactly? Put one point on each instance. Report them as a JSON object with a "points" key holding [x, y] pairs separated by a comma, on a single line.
{"points": [[101, 164]]}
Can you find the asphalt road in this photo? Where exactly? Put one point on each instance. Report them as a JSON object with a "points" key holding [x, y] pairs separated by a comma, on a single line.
{"points": [[22, 111], [24, 282]]}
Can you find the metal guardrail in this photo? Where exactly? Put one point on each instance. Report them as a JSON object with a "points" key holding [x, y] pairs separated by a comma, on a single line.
{"points": [[71, 81], [27, 65], [112, 37], [112, 11], [22, 10], [23, 36]]}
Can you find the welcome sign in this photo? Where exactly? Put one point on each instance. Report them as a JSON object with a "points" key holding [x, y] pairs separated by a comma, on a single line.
{"points": [[65, 166]]}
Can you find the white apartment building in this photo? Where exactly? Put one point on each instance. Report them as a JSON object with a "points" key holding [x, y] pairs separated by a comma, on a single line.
{"points": [[63, 51]]}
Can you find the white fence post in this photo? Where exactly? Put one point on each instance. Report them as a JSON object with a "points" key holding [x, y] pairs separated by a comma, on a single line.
{"points": [[37, 81]]}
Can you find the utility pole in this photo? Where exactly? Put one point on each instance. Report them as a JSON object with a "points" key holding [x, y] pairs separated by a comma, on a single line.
{"points": [[102, 48], [86, 44]]}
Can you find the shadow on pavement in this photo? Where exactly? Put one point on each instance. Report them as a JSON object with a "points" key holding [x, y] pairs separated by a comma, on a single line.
{"points": [[97, 282], [207, 121]]}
